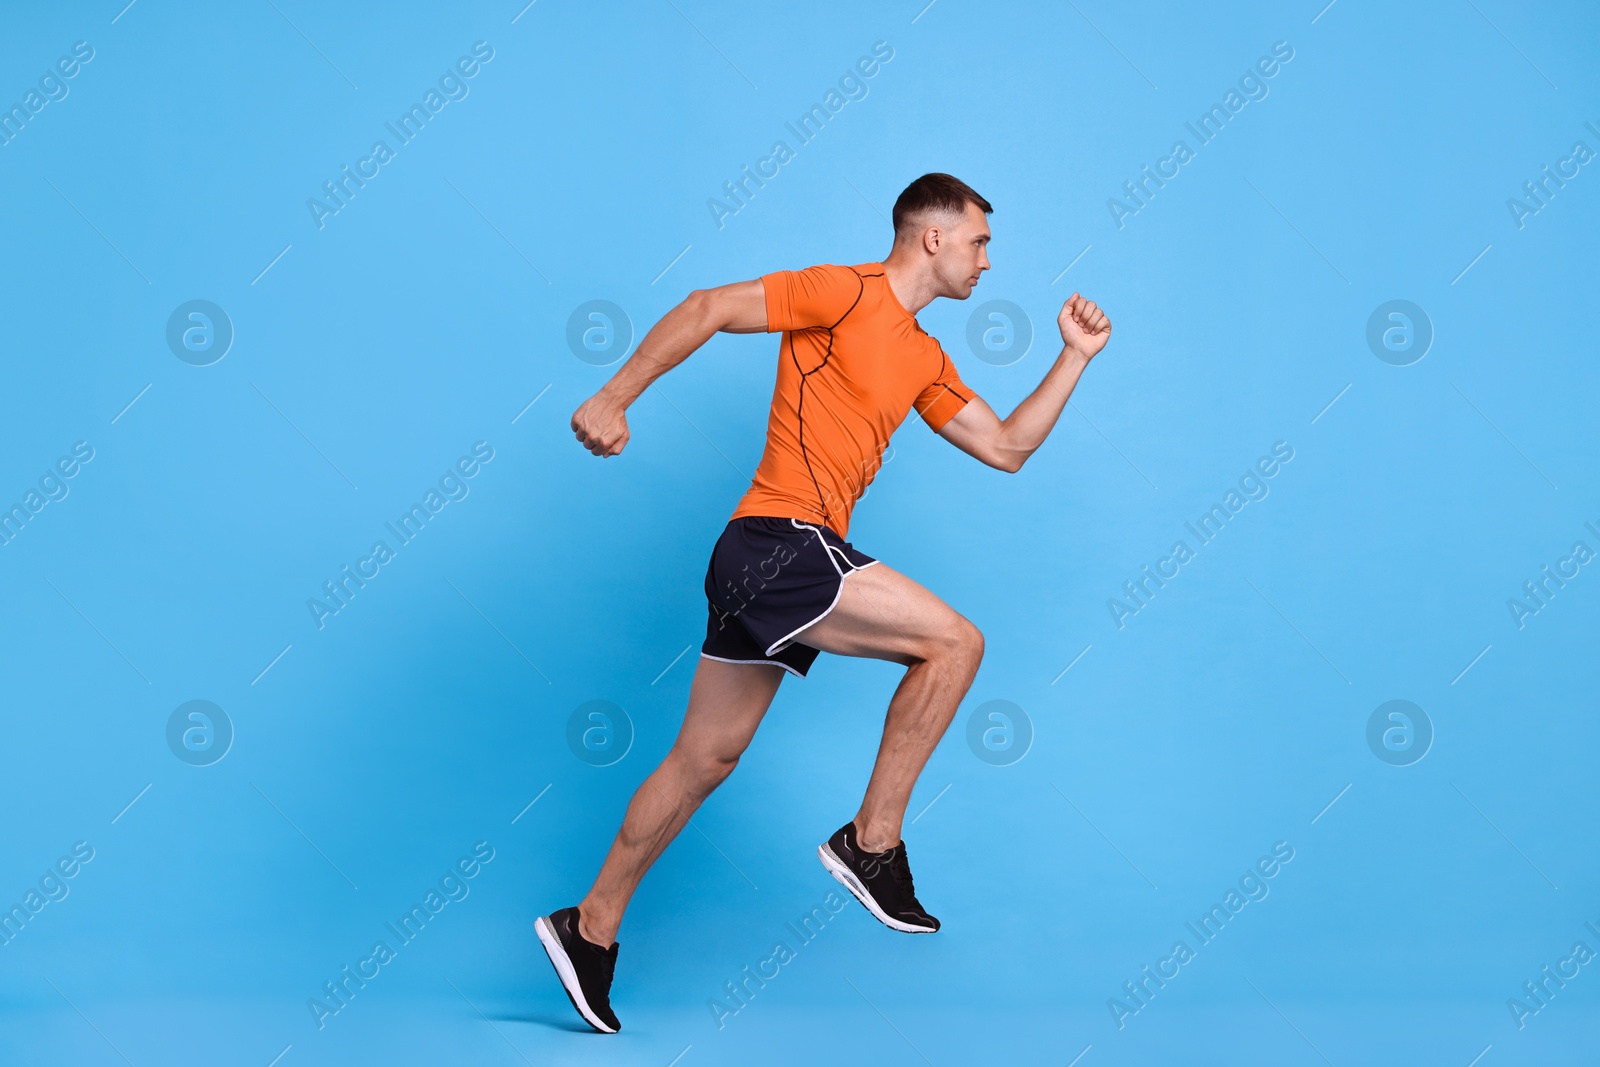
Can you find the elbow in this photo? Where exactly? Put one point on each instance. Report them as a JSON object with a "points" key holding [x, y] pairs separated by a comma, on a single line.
{"points": [[1005, 454], [1010, 462], [702, 307]]}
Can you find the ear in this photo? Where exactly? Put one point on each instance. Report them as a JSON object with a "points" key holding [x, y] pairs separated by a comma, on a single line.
{"points": [[931, 238]]}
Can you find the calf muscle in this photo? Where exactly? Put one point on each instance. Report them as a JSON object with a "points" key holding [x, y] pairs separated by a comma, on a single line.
{"points": [[726, 705]]}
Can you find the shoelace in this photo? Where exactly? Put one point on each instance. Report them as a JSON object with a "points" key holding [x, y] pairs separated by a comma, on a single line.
{"points": [[606, 961], [900, 870], [605, 958]]}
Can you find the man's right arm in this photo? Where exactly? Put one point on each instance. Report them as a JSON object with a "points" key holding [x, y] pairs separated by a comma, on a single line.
{"points": [[600, 422]]}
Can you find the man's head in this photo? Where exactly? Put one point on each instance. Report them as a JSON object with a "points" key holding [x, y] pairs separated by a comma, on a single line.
{"points": [[939, 221]]}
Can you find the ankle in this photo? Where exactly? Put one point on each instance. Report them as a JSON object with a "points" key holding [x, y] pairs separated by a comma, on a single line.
{"points": [[876, 837], [596, 931]]}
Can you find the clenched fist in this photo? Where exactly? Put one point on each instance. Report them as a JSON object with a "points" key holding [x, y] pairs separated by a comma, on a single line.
{"points": [[1084, 327], [600, 426]]}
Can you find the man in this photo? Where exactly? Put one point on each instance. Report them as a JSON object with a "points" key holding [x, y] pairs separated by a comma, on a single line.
{"points": [[852, 364]]}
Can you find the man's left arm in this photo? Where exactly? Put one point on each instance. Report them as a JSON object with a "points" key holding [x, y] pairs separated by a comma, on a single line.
{"points": [[1006, 444]]}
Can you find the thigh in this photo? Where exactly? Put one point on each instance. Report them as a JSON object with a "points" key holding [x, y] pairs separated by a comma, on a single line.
{"points": [[882, 614], [726, 704]]}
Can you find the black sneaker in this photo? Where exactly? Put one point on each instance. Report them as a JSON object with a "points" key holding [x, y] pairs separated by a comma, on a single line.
{"points": [[584, 967], [880, 880]]}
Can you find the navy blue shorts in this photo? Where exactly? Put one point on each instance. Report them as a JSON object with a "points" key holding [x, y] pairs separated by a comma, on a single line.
{"points": [[769, 579]]}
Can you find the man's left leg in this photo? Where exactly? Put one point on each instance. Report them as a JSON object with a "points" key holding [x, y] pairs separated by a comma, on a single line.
{"points": [[726, 704]]}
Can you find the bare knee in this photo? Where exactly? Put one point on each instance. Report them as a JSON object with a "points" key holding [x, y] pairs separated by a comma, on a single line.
{"points": [[701, 773], [970, 642], [956, 639]]}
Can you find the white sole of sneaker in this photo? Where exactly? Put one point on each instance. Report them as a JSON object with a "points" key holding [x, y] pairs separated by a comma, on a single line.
{"points": [[564, 970], [847, 878]]}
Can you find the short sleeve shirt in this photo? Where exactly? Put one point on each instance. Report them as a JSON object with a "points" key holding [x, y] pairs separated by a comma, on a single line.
{"points": [[853, 362]]}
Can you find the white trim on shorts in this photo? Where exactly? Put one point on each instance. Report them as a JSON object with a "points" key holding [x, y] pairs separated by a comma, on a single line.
{"points": [[784, 642], [774, 662]]}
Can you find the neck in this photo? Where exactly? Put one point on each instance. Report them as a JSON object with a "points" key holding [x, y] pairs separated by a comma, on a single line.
{"points": [[910, 280]]}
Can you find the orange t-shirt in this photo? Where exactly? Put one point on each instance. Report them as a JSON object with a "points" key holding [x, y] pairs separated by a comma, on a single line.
{"points": [[852, 364]]}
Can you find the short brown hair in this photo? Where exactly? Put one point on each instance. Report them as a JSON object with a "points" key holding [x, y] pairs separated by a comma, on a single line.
{"points": [[935, 192]]}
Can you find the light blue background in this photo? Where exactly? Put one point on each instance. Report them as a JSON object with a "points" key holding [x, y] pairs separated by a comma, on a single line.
{"points": [[425, 717]]}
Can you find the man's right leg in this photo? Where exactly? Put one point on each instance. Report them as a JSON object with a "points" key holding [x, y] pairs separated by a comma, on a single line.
{"points": [[726, 704], [882, 614]]}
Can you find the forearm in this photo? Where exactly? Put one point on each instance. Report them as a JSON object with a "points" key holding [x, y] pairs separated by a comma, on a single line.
{"points": [[1025, 429], [673, 339]]}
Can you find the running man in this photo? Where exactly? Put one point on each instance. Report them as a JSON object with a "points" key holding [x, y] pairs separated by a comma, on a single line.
{"points": [[853, 362]]}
